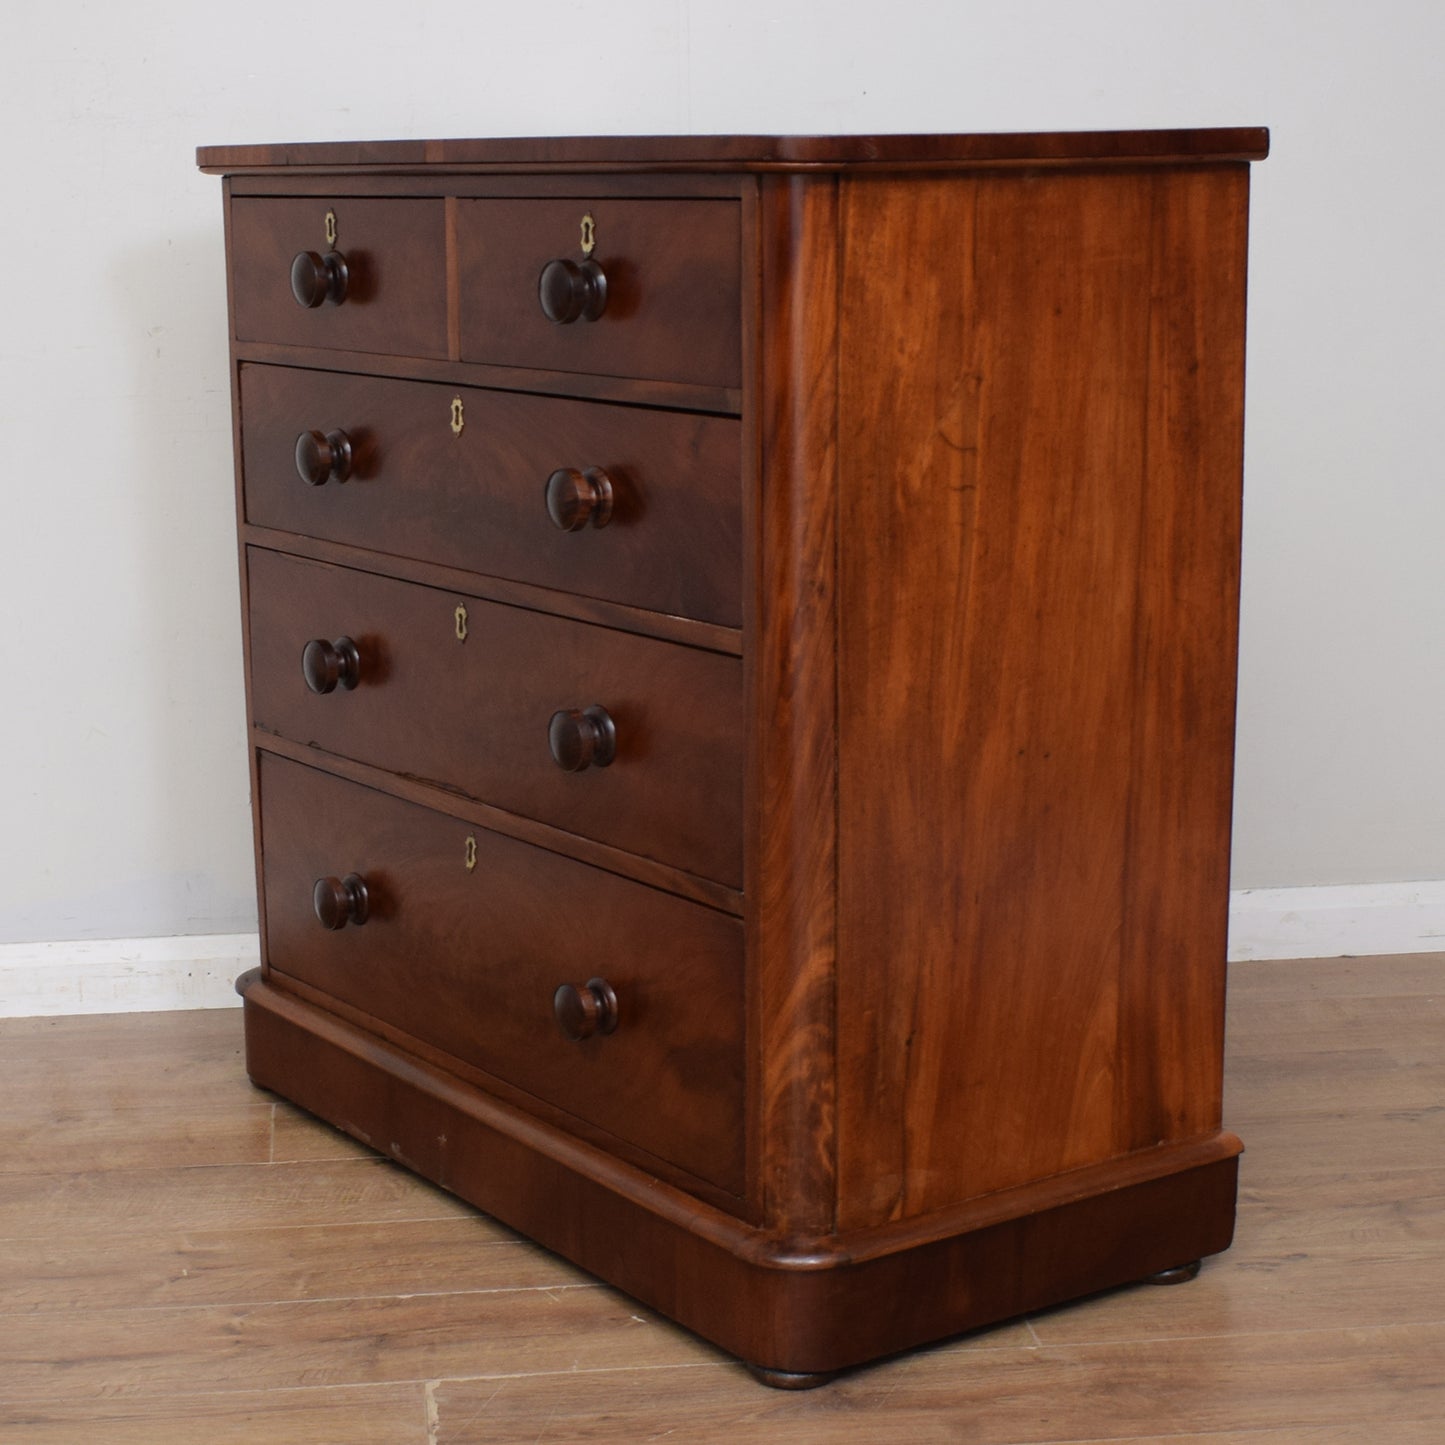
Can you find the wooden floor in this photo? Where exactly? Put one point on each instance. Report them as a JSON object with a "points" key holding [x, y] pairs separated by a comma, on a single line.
{"points": [[183, 1258]]}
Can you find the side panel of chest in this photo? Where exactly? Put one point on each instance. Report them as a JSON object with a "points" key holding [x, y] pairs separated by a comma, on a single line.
{"points": [[1039, 541]]}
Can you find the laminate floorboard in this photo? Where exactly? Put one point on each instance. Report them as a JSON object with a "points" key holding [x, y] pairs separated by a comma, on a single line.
{"points": [[184, 1258]]}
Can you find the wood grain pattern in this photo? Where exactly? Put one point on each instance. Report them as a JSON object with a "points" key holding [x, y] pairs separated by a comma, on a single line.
{"points": [[629, 391], [475, 500], [468, 960], [473, 714], [745, 152], [954, 762], [1185, 629], [673, 298], [511, 825], [1036, 676], [791, 672], [174, 1268], [284, 1346], [396, 251], [1292, 1383], [804, 1306], [686, 630], [357, 1414], [1319, 1326]]}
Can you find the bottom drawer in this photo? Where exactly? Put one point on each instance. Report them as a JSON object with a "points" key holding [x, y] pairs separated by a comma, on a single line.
{"points": [[466, 938]]}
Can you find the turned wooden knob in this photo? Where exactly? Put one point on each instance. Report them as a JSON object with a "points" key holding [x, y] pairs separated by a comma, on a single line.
{"points": [[339, 901], [575, 498], [585, 1011], [572, 292], [329, 665], [319, 280], [323, 457], [582, 739]]}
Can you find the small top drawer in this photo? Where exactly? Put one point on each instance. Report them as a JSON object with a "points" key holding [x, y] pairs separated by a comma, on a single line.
{"points": [[393, 299], [671, 272]]}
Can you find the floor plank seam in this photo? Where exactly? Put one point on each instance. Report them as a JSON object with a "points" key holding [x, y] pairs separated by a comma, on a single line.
{"points": [[345, 1160], [1200, 1336], [93, 1311]]}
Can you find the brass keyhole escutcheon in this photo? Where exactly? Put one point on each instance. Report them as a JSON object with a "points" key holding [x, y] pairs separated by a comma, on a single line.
{"points": [[461, 621], [331, 228], [458, 420], [470, 853], [589, 234]]}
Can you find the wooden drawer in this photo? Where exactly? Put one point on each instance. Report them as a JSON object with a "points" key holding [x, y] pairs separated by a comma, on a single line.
{"points": [[477, 498], [674, 297], [468, 958], [395, 253], [474, 714]]}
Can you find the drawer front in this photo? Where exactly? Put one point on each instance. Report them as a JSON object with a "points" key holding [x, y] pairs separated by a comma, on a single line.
{"points": [[475, 714], [673, 308], [477, 497], [467, 937], [395, 254]]}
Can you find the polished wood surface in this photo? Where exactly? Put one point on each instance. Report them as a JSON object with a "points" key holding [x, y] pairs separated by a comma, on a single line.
{"points": [[672, 296], [150, 1296], [801, 1305], [396, 293], [710, 636], [625, 390], [467, 937], [747, 152], [1036, 674], [792, 879], [475, 713], [477, 498], [510, 825], [952, 760]]}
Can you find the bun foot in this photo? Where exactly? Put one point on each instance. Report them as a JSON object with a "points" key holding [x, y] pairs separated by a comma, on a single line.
{"points": [[1180, 1274], [786, 1380]]}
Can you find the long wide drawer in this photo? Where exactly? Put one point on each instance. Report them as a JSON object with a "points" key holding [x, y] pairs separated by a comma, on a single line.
{"points": [[464, 939], [639, 507], [672, 269], [394, 297], [628, 740]]}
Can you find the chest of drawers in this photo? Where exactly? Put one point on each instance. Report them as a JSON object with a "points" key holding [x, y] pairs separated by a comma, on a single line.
{"points": [[740, 643]]}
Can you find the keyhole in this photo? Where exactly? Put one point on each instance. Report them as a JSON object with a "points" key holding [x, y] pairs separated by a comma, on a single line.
{"points": [[458, 421], [589, 234], [461, 619], [331, 228], [471, 852]]}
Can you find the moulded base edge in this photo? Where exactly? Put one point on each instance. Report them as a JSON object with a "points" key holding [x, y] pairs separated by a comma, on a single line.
{"points": [[788, 1308]]}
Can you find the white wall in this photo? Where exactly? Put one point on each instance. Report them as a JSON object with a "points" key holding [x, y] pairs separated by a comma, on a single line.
{"points": [[123, 782]]}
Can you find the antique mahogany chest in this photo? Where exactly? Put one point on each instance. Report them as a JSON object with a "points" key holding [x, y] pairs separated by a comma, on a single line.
{"points": [[740, 643]]}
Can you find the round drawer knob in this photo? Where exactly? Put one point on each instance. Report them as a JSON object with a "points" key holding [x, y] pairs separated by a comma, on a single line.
{"points": [[572, 292], [319, 280], [329, 665], [582, 739], [323, 457], [339, 901], [585, 1011], [575, 498]]}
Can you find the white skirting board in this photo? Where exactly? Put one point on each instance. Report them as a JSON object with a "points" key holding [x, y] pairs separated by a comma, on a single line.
{"points": [[124, 975], [132, 975], [1349, 920]]}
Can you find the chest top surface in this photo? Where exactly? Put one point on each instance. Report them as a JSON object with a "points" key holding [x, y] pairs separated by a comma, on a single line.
{"points": [[717, 152]]}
